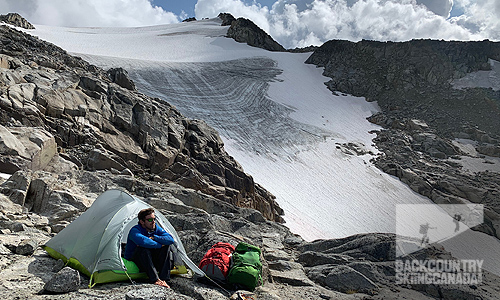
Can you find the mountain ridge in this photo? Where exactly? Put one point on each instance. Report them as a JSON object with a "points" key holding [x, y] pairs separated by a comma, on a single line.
{"points": [[245, 31], [401, 73], [16, 20]]}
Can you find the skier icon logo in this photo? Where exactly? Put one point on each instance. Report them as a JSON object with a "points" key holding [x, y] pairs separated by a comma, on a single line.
{"points": [[424, 230], [456, 220], [420, 225]]}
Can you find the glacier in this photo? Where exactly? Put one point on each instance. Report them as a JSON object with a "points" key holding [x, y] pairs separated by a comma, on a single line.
{"points": [[276, 118]]}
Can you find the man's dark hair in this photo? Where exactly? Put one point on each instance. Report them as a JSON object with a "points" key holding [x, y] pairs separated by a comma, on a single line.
{"points": [[143, 213]]}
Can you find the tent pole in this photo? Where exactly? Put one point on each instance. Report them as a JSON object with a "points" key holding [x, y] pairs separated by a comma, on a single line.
{"points": [[228, 293]]}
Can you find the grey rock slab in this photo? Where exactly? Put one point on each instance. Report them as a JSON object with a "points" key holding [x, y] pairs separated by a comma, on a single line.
{"points": [[10, 145], [120, 77], [40, 145], [311, 258], [343, 279], [155, 293], [289, 272], [276, 254], [64, 281], [27, 247]]}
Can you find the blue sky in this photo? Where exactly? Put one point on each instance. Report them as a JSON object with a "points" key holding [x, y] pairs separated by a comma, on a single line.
{"points": [[187, 6], [293, 23], [177, 6]]}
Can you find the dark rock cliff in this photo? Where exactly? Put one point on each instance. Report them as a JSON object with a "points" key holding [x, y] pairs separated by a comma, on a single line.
{"points": [[412, 79], [245, 31], [16, 20]]}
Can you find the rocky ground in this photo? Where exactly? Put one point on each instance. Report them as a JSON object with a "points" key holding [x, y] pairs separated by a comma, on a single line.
{"points": [[69, 131], [357, 267]]}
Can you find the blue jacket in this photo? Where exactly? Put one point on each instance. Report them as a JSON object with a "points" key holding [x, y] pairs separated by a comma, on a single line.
{"points": [[139, 236]]}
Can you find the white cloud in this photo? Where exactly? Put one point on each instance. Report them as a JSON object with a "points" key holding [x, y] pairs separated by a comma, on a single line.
{"points": [[481, 17], [293, 23], [439, 7], [300, 23], [89, 13]]}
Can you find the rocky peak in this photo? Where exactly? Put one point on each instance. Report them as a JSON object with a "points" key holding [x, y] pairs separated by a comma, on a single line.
{"points": [[227, 19], [245, 31], [16, 20], [120, 77], [191, 19]]}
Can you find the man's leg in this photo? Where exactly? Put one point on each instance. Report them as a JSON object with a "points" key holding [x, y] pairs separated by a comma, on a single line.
{"points": [[161, 261], [143, 257]]}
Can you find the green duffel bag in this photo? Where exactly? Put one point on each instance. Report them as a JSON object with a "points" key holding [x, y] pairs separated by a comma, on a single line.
{"points": [[246, 268]]}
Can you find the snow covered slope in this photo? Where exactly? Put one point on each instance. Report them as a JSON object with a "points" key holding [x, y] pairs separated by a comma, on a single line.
{"points": [[274, 113]]}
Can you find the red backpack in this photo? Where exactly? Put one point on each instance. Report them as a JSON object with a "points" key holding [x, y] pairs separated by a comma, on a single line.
{"points": [[215, 263]]}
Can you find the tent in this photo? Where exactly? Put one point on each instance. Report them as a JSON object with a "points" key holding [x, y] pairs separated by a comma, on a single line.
{"points": [[92, 242]]}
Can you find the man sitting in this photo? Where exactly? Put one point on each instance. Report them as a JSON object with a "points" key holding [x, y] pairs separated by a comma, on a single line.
{"points": [[148, 246]]}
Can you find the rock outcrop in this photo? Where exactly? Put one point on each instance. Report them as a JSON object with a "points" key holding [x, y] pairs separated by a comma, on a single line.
{"points": [[227, 19], [422, 113], [64, 281], [189, 19], [245, 31], [16, 20]]}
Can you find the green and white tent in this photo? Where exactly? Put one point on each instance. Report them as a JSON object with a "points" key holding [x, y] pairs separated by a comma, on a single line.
{"points": [[92, 243]]}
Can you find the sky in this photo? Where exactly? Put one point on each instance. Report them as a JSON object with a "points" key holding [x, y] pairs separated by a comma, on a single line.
{"points": [[293, 23]]}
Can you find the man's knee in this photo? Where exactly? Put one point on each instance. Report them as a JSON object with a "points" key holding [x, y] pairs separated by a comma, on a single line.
{"points": [[140, 249], [142, 254], [165, 249]]}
